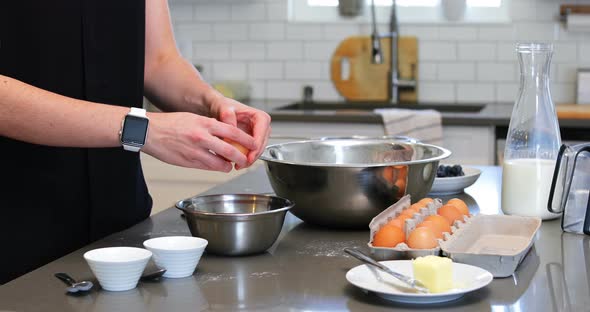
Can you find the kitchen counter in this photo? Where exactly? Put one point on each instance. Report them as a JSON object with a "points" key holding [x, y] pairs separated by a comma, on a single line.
{"points": [[305, 270], [496, 114]]}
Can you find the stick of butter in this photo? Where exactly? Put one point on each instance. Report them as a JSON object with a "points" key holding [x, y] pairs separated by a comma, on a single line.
{"points": [[436, 273]]}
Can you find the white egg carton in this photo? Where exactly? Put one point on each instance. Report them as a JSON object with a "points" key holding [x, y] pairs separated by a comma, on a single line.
{"points": [[497, 243]]}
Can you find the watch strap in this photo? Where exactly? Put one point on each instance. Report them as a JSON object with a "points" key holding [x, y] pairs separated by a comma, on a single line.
{"points": [[139, 112]]}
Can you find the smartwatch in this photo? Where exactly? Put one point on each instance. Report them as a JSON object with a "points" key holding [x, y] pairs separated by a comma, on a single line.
{"points": [[134, 130]]}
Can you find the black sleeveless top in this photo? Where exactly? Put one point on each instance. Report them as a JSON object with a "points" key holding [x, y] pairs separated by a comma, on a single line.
{"points": [[56, 200]]}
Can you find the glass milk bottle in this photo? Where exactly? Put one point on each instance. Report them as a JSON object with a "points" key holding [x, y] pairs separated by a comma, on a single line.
{"points": [[533, 137]]}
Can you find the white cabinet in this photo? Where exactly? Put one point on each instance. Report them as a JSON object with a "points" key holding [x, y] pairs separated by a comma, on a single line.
{"points": [[470, 145], [168, 184]]}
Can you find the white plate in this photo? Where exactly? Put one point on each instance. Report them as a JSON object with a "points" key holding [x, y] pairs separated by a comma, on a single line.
{"points": [[455, 185], [465, 277]]}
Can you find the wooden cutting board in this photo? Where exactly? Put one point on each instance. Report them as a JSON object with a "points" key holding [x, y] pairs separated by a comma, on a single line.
{"points": [[573, 111], [357, 79]]}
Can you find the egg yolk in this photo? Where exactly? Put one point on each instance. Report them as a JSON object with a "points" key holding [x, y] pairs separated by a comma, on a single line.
{"points": [[451, 213], [460, 205], [441, 222], [422, 238], [388, 236]]}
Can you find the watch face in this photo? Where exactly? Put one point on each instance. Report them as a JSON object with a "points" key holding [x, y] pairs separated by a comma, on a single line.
{"points": [[134, 131]]}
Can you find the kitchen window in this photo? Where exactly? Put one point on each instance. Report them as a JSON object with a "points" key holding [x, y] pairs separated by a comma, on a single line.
{"points": [[408, 11]]}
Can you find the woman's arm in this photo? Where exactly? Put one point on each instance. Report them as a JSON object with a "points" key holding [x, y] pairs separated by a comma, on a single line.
{"points": [[34, 115], [173, 84]]}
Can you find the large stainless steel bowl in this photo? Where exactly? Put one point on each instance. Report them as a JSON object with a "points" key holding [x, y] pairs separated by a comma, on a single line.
{"points": [[236, 224], [345, 182]]}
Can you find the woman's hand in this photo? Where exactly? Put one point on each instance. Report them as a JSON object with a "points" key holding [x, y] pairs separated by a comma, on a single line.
{"points": [[190, 140], [250, 120]]}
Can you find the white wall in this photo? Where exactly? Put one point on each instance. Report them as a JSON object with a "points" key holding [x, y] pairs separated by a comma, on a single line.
{"points": [[253, 40]]}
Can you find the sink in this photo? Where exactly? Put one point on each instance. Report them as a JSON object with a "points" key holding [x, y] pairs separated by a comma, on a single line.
{"points": [[369, 106]]}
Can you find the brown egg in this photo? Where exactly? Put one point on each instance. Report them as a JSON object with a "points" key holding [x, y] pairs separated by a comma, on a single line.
{"points": [[433, 227], [460, 205], [422, 238], [441, 222], [239, 146], [397, 222], [451, 213], [388, 236], [408, 212], [426, 201], [417, 206]]}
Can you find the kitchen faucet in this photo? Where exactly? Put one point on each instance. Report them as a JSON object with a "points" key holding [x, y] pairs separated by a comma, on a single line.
{"points": [[395, 83]]}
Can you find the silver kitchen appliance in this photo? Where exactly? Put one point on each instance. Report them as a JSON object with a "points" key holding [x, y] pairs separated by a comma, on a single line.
{"points": [[570, 188]]}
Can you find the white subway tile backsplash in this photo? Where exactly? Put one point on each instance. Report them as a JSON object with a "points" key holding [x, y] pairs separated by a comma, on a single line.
{"points": [[206, 50], [477, 51], [303, 32], [248, 51], [195, 32], [265, 70], [584, 51], [438, 92], [229, 71], [230, 32], [248, 11], [563, 93], [283, 90], [257, 89], [564, 52], [255, 40], [302, 70], [547, 11], [427, 71], [456, 71], [537, 31], [339, 31], [277, 11], [211, 12], [284, 50], [319, 51], [507, 51], [506, 92], [181, 13], [437, 51], [457, 33], [475, 92], [567, 73], [522, 11], [267, 31], [422, 32], [497, 72], [496, 33], [325, 91]]}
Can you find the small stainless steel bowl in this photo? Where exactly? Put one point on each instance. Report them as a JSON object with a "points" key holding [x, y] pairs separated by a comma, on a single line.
{"points": [[344, 182], [236, 224]]}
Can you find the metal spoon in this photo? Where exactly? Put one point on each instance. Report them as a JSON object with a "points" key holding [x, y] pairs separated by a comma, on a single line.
{"points": [[153, 275], [73, 285], [412, 282]]}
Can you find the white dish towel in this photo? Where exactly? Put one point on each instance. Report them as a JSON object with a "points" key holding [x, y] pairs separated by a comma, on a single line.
{"points": [[424, 125]]}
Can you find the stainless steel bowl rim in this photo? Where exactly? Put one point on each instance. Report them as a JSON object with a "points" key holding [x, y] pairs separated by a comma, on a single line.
{"points": [[241, 216], [445, 152]]}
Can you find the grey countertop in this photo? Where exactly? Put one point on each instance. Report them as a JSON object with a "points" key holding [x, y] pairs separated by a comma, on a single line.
{"points": [[494, 114], [305, 270]]}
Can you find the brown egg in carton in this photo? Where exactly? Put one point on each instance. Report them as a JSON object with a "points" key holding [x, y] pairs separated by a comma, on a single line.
{"points": [[497, 243], [402, 250]]}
